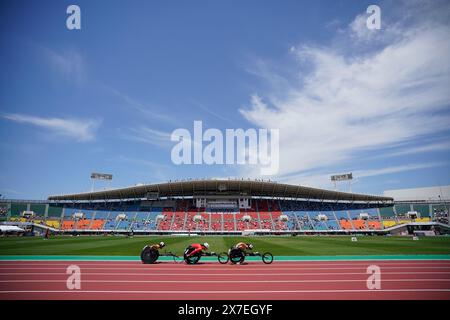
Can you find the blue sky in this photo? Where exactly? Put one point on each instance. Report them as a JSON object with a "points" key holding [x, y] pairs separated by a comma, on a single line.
{"points": [[105, 98]]}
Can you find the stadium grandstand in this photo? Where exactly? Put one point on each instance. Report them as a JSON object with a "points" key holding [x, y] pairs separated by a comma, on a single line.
{"points": [[227, 207]]}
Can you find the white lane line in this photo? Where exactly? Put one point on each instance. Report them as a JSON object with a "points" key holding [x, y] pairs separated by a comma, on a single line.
{"points": [[168, 264], [217, 274], [225, 281], [217, 266], [227, 269], [277, 261], [220, 291]]}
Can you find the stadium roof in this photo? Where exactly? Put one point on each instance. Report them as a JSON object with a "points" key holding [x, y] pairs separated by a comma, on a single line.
{"points": [[198, 188]]}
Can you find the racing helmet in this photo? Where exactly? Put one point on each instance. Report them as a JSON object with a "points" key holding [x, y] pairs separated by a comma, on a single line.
{"points": [[206, 245], [162, 244], [250, 246]]}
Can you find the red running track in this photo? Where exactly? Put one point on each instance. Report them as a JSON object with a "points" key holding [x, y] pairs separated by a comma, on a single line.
{"points": [[280, 280]]}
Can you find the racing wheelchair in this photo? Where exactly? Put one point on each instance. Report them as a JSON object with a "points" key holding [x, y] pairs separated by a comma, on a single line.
{"points": [[237, 255], [193, 259], [150, 255]]}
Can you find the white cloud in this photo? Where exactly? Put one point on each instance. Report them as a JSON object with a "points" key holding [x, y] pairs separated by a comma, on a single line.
{"points": [[432, 147], [211, 112], [135, 161], [152, 170], [156, 137], [151, 112], [79, 129], [323, 180], [353, 102], [8, 191], [359, 29], [69, 63], [396, 169], [149, 135]]}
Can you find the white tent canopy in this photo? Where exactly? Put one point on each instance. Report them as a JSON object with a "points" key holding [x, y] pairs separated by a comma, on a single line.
{"points": [[4, 228]]}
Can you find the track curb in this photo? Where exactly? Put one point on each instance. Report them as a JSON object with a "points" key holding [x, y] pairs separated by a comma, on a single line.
{"points": [[276, 258]]}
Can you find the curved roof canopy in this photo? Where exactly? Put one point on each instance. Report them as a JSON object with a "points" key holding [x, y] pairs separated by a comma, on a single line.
{"points": [[198, 188]]}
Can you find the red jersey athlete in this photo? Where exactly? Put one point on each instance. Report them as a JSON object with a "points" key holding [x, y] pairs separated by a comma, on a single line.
{"points": [[198, 248]]}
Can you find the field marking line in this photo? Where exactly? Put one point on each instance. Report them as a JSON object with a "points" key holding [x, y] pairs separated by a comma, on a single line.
{"points": [[216, 274], [224, 281], [221, 291], [404, 257], [235, 269], [168, 266], [252, 261]]}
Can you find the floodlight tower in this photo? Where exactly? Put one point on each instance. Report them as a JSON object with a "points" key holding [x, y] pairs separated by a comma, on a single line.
{"points": [[342, 177], [100, 176]]}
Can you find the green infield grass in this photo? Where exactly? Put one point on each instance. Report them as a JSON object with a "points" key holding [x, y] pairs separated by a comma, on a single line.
{"points": [[280, 246]]}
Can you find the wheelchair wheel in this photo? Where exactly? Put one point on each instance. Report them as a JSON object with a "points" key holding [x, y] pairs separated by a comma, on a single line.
{"points": [[177, 259], [236, 256], [149, 255], [267, 258], [192, 259], [223, 258]]}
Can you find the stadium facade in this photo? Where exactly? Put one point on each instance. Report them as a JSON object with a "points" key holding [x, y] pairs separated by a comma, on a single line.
{"points": [[226, 207]]}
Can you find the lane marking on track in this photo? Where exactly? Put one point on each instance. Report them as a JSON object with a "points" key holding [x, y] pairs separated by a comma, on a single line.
{"points": [[253, 261], [220, 292], [169, 264], [235, 268], [225, 281], [218, 274]]}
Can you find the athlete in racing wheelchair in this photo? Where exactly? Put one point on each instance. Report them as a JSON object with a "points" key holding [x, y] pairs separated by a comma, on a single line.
{"points": [[241, 250], [150, 253]]}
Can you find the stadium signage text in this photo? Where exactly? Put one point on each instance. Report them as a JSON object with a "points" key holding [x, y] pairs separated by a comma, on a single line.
{"points": [[101, 176], [342, 177], [250, 147]]}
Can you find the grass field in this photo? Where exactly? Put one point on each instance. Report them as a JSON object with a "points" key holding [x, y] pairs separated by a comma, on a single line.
{"points": [[283, 246]]}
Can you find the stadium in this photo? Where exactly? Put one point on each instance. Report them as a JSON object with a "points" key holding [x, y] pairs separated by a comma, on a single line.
{"points": [[321, 126], [318, 238], [227, 207]]}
